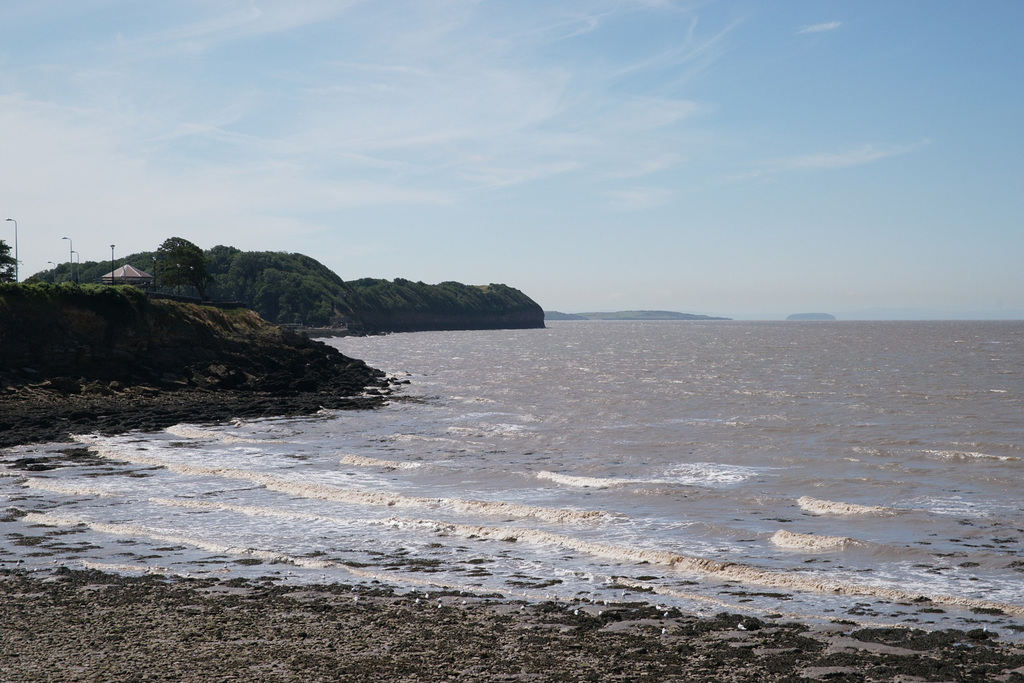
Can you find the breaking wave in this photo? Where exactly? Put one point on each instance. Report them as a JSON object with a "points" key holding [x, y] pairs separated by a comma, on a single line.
{"points": [[136, 530], [969, 455], [829, 507], [368, 497], [586, 482], [363, 461], [185, 431], [795, 541], [723, 571]]}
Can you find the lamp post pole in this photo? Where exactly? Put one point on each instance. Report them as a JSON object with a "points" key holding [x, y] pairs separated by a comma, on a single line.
{"points": [[53, 272], [15, 248], [111, 264], [71, 258], [79, 270]]}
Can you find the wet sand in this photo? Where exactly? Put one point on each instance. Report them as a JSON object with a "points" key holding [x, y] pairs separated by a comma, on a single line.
{"points": [[89, 626]]}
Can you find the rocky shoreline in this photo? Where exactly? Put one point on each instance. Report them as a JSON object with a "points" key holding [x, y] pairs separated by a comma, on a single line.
{"points": [[78, 361], [88, 625]]}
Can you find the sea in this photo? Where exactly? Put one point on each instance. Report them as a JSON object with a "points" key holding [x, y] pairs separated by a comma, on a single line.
{"points": [[864, 473]]}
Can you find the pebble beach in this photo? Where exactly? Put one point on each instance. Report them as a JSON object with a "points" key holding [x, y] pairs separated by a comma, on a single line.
{"points": [[87, 625]]}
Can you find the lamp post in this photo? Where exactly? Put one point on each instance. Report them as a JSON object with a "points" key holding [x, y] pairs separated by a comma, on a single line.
{"points": [[71, 258], [111, 264], [15, 248], [78, 262]]}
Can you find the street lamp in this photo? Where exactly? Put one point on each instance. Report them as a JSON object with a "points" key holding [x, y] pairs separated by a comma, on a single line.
{"points": [[15, 248], [78, 262], [111, 264], [71, 258]]}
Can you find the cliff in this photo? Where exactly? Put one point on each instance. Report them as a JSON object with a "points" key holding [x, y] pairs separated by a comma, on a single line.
{"points": [[294, 289], [109, 358], [405, 306]]}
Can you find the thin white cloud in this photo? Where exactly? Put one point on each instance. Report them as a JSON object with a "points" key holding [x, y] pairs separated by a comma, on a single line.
{"points": [[502, 177], [820, 28], [865, 154], [646, 166], [230, 20], [639, 198]]}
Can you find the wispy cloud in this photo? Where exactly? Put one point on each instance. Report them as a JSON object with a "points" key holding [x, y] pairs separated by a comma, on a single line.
{"points": [[865, 154], [821, 28], [639, 198], [827, 161]]}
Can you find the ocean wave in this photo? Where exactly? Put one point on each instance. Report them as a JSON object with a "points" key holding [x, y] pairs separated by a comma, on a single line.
{"points": [[588, 482], [363, 461], [192, 432], [137, 530], [724, 571], [710, 473], [828, 507], [969, 455], [795, 541], [72, 488], [330, 492]]}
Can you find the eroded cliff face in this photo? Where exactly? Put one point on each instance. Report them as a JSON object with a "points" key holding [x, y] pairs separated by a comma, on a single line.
{"points": [[112, 359], [118, 335]]}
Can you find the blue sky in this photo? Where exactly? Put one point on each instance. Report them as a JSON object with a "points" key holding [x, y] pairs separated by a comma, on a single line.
{"points": [[744, 159]]}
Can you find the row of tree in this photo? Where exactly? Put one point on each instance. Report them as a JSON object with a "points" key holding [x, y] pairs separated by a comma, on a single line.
{"points": [[176, 263], [8, 266]]}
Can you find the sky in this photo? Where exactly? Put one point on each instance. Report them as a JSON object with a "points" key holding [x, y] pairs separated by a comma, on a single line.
{"points": [[747, 159]]}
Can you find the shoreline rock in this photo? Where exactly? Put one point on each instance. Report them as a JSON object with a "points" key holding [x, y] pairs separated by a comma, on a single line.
{"points": [[86, 625], [110, 360]]}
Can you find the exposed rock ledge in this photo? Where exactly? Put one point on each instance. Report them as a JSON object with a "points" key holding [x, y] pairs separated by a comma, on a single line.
{"points": [[77, 360]]}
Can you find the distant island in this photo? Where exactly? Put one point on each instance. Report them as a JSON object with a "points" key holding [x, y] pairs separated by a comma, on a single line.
{"points": [[811, 316], [628, 315]]}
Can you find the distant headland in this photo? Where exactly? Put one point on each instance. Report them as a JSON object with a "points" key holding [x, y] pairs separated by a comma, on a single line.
{"points": [[298, 291], [628, 315]]}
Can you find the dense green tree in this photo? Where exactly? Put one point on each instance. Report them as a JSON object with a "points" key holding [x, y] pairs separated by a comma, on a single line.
{"points": [[7, 263], [182, 263], [296, 289]]}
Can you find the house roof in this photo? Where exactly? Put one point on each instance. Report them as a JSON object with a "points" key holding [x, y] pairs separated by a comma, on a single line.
{"points": [[127, 272]]}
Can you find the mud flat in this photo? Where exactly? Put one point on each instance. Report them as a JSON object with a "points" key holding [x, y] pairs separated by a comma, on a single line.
{"points": [[73, 625]]}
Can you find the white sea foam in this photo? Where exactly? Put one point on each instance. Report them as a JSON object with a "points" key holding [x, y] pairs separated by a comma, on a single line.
{"points": [[587, 482], [969, 455], [123, 567], [828, 507], [725, 571], [137, 530], [193, 432], [340, 494], [795, 541], [363, 461], [69, 488], [710, 474]]}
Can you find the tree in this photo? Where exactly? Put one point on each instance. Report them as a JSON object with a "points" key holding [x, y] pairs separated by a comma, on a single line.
{"points": [[183, 263], [6, 263]]}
